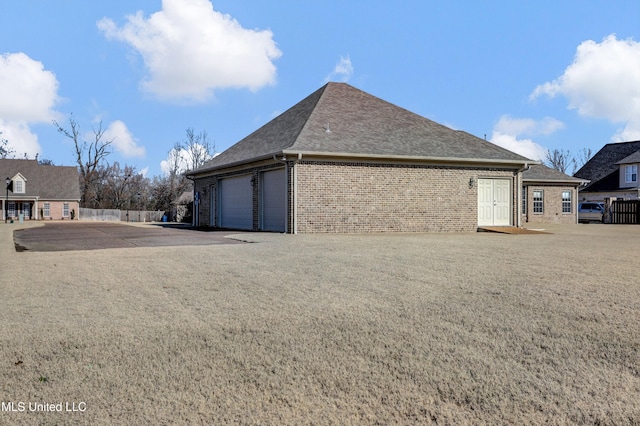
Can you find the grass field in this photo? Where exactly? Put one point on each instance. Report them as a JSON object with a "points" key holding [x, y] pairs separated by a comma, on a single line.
{"points": [[327, 329]]}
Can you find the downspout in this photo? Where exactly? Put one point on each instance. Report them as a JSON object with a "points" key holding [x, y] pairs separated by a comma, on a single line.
{"points": [[519, 196], [283, 160], [286, 183], [295, 194]]}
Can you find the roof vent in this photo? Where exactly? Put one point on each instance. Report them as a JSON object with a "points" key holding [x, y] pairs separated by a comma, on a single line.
{"points": [[327, 128]]}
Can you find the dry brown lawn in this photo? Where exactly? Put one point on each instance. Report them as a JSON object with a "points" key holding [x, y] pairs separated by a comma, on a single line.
{"points": [[327, 329]]}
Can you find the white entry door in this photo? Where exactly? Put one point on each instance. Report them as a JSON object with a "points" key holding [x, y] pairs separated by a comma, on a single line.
{"points": [[494, 202]]}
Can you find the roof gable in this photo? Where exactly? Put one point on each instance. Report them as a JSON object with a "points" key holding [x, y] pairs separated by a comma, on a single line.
{"points": [[633, 158], [339, 119], [45, 182], [604, 164]]}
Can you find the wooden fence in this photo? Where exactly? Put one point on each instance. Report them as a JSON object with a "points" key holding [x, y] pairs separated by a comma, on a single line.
{"points": [[625, 211], [121, 215]]}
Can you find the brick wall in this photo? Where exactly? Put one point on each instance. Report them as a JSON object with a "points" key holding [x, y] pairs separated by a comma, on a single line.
{"points": [[552, 211], [207, 187], [362, 197], [358, 197], [56, 210]]}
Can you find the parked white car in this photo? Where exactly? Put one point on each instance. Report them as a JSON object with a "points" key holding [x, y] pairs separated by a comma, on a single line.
{"points": [[589, 211]]}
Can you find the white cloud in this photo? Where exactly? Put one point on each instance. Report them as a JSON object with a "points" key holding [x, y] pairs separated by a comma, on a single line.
{"points": [[528, 126], [525, 147], [29, 94], [342, 71], [510, 133], [190, 50], [603, 82], [175, 158], [21, 140], [123, 141]]}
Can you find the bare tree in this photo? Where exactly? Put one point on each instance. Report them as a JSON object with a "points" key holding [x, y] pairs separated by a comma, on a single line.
{"points": [[89, 155], [5, 149], [584, 155], [188, 154], [559, 159], [198, 149], [168, 188], [119, 188]]}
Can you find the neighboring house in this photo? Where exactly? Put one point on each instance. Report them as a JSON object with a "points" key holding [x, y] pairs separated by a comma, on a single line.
{"points": [[40, 191], [182, 207], [344, 161], [612, 172], [549, 196]]}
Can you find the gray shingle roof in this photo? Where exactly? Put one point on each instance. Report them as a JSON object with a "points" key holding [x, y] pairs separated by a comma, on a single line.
{"points": [[542, 173], [339, 119], [603, 168], [633, 158], [46, 182]]}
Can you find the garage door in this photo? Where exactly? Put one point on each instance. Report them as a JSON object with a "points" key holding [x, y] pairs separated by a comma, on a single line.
{"points": [[494, 202], [274, 201], [235, 202]]}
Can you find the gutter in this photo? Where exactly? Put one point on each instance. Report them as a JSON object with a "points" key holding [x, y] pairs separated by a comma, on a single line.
{"points": [[416, 158], [412, 158], [192, 173]]}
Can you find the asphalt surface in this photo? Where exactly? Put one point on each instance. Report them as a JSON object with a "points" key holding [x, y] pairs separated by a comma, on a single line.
{"points": [[61, 236]]}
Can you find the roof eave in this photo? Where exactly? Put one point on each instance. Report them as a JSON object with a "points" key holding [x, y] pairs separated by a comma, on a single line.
{"points": [[417, 158], [327, 154], [573, 182], [206, 170]]}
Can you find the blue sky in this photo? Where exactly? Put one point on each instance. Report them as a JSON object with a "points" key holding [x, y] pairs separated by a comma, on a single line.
{"points": [[530, 75]]}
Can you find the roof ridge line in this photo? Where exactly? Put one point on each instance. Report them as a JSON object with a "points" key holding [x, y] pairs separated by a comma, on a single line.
{"points": [[308, 118]]}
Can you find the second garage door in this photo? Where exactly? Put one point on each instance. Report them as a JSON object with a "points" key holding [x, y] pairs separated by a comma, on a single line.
{"points": [[235, 202], [274, 201]]}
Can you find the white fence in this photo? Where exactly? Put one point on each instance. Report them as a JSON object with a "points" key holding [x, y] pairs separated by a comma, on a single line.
{"points": [[120, 215]]}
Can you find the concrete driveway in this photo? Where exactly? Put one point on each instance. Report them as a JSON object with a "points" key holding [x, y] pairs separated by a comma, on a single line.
{"points": [[62, 236]]}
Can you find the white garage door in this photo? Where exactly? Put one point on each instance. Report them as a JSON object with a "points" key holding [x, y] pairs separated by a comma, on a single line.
{"points": [[235, 202], [494, 202], [274, 201]]}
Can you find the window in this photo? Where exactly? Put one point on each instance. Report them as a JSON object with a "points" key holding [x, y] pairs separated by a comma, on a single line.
{"points": [[631, 173], [524, 200], [65, 210], [538, 201], [12, 209], [566, 201], [26, 209], [18, 186], [46, 210]]}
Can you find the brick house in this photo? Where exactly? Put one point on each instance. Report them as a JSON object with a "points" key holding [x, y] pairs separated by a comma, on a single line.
{"points": [[549, 196], [40, 191], [344, 161], [612, 172]]}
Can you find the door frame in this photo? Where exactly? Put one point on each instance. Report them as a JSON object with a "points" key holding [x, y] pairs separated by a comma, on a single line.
{"points": [[495, 205]]}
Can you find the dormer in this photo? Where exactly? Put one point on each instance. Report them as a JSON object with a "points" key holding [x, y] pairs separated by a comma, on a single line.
{"points": [[629, 170], [19, 184]]}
